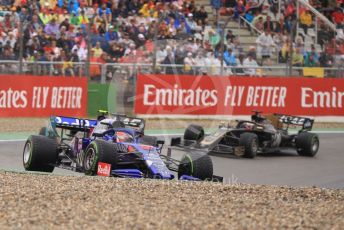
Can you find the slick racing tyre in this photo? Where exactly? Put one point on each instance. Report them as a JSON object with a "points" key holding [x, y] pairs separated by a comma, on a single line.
{"points": [[196, 165], [149, 140], [99, 151], [40, 154], [307, 144], [250, 143], [194, 133]]}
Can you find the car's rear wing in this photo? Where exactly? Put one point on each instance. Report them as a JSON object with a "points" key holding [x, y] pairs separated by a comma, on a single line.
{"points": [[305, 122], [129, 122], [72, 123]]}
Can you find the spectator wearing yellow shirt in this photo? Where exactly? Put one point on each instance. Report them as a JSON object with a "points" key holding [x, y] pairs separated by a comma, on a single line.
{"points": [[83, 19], [306, 20], [45, 17], [97, 50], [148, 10], [297, 58]]}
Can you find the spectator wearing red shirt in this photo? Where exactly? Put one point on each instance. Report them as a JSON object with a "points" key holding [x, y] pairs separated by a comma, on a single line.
{"points": [[338, 16]]}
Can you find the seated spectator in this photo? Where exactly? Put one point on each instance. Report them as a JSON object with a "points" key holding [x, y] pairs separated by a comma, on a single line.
{"points": [[236, 47], [201, 68], [112, 35], [169, 61], [230, 36], [230, 58], [325, 60], [189, 63], [311, 58], [74, 20], [280, 26], [340, 34], [161, 54], [216, 66], [81, 51], [268, 25], [299, 44], [259, 24], [190, 23], [249, 16], [239, 10], [213, 39], [306, 20], [105, 11], [52, 28], [9, 40], [7, 24], [284, 54], [278, 40], [97, 50], [95, 70], [265, 46], [252, 52], [45, 16], [337, 16], [229, 4], [324, 35], [248, 63], [297, 58], [202, 15]]}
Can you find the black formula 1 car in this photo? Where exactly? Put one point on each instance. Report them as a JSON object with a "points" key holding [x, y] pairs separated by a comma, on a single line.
{"points": [[262, 134]]}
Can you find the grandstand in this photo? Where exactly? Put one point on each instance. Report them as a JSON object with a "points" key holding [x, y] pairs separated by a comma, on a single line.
{"points": [[225, 37]]}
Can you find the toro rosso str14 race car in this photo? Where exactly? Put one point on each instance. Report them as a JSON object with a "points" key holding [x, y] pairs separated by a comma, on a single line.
{"points": [[112, 145], [262, 134]]}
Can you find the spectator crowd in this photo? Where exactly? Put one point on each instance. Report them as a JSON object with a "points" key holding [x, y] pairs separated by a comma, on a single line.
{"points": [[324, 49], [124, 31]]}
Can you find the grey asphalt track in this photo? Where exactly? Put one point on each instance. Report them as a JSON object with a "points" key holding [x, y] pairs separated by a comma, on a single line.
{"points": [[324, 170]]}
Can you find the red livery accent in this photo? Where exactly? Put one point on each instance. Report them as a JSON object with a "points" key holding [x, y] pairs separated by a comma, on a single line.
{"points": [[104, 169]]}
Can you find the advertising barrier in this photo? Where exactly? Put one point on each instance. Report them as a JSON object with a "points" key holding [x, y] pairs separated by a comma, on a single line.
{"points": [[208, 95], [42, 96]]}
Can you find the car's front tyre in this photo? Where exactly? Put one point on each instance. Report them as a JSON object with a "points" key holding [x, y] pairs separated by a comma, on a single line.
{"points": [[250, 143], [197, 165], [99, 151]]}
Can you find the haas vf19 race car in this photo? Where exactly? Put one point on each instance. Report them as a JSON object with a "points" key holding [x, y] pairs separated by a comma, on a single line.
{"points": [[262, 134], [112, 145]]}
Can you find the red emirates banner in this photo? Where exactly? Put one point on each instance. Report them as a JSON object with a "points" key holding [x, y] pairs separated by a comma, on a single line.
{"points": [[36, 96], [210, 95]]}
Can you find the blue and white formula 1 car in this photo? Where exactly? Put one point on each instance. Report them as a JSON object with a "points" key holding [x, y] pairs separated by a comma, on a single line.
{"points": [[112, 145]]}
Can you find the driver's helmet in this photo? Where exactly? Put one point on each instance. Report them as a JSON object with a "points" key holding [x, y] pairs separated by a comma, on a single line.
{"points": [[123, 137], [102, 126], [248, 126]]}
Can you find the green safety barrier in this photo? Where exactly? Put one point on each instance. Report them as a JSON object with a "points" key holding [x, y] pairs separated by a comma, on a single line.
{"points": [[101, 96]]}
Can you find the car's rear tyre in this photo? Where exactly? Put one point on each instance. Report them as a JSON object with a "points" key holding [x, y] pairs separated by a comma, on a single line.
{"points": [[99, 151], [196, 165], [40, 154], [307, 144], [149, 140], [250, 143], [194, 133]]}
